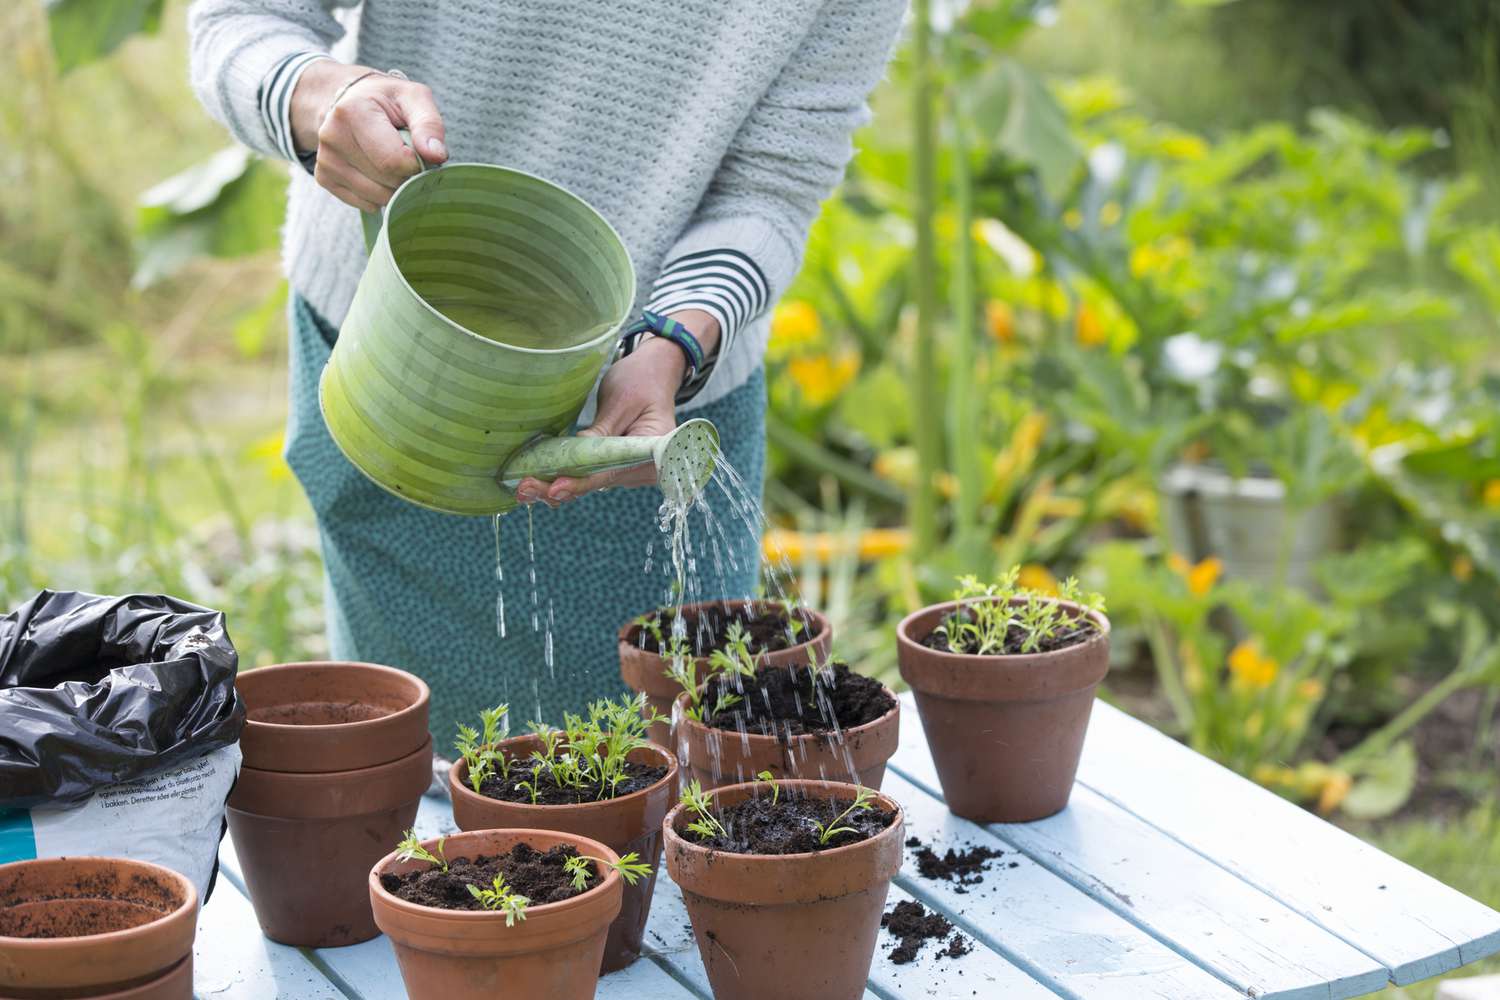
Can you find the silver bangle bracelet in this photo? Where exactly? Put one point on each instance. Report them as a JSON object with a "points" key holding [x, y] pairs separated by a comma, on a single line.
{"points": [[339, 94]]}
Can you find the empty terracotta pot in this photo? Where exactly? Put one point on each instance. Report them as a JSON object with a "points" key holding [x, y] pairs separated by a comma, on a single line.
{"points": [[718, 757], [1005, 732], [306, 843], [320, 717], [791, 926], [96, 927], [645, 671], [471, 955], [628, 823]]}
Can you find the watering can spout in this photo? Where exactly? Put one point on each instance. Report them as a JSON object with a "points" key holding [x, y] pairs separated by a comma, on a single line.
{"points": [[684, 459]]}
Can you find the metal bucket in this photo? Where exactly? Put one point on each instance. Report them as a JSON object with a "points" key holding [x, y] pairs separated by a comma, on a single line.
{"points": [[490, 303]]}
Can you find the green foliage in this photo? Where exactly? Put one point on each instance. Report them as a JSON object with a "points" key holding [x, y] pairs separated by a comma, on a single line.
{"points": [[630, 866], [499, 896], [770, 779], [411, 849], [479, 748], [701, 804], [85, 30], [990, 614], [860, 803]]}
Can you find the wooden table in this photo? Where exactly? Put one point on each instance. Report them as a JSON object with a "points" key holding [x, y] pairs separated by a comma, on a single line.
{"points": [[1167, 876]]}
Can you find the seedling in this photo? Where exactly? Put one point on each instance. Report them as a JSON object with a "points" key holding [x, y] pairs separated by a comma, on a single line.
{"points": [[479, 747], [500, 897], [588, 755], [862, 799], [770, 778], [701, 805], [631, 868], [411, 849], [994, 617]]}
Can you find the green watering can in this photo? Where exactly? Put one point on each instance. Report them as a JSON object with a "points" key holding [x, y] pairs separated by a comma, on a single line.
{"points": [[490, 304]]}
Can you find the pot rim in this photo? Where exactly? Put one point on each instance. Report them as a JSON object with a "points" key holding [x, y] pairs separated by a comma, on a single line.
{"points": [[584, 845], [390, 258], [679, 712], [128, 935], [905, 639], [462, 789], [681, 843], [396, 718], [818, 619]]}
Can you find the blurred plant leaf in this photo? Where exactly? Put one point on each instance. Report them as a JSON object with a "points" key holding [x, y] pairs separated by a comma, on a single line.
{"points": [[85, 30], [227, 206], [1014, 114], [875, 406], [1382, 784]]}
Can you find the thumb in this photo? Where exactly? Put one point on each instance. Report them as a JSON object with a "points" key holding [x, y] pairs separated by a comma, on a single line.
{"points": [[420, 112]]}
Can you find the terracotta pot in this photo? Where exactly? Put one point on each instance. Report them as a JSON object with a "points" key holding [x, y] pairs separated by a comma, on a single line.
{"points": [[719, 757], [306, 843], [793, 926], [1005, 732], [629, 823], [553, 954], [645, 671], [319, 717], [128, 927]]}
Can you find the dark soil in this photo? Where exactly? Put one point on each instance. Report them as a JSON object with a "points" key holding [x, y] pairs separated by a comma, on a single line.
{"points": [[707, 631], [790, 826], [1069, 636], [537, 875], [964, 868], [638, 777], [914, 925], [782, 697]]}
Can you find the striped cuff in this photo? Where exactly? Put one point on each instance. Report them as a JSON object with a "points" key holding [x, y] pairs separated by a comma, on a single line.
{"points": [[722, 282], [275, 101]]}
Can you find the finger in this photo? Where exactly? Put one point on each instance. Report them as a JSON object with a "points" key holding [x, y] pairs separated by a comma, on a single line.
{"points": [[341, 174], [363, 129], [566, 488], [342, 192], [530, 490], [419, 111]]}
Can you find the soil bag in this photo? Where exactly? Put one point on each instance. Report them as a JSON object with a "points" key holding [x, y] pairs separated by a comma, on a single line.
{"points": [[119, 729]]}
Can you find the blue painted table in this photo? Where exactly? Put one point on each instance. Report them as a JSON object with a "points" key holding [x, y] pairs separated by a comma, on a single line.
{"points": [[1167, 877]]}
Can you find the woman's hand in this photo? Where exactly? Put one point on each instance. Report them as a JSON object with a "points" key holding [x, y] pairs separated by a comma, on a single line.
{"points": [[636, 399], [361, 158]]}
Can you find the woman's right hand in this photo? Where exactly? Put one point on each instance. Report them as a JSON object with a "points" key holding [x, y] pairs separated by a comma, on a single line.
{"points": [[361, 158]]}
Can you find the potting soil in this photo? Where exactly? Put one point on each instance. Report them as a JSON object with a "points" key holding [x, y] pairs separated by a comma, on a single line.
{"points": [[964, 868], [790, 826], [1065, 637], [637, 778], [788, 699], [766, 626], [537, 875], [913, 925]]}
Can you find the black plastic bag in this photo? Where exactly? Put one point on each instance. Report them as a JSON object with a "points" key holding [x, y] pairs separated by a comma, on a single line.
{"points": [[99, 690]]}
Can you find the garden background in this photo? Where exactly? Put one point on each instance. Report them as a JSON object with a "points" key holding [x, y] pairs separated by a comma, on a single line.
{"points": [[1094, 260]]}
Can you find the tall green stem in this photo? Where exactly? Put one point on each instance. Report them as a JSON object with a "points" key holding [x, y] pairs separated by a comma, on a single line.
{"points": [[963, 415], [926, 413]]}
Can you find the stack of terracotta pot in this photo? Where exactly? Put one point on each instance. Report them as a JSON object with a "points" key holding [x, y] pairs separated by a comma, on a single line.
{"points": [[337, 756]]}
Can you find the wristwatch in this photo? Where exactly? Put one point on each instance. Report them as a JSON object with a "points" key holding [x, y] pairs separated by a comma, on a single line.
{"points": [[654, 324]]}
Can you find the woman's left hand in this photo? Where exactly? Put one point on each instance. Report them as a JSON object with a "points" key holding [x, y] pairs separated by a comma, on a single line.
{"points": [[636, 399]]}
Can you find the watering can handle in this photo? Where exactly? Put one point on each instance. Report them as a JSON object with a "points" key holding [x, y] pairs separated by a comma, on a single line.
{"points": [[372, 221]]}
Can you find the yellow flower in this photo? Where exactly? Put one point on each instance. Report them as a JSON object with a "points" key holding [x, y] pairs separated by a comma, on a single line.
{"points": [[1072, 218], [267, 454], [794, 324], [875, 543], [1202, 577], [1184, 147], [1251, 667], [1179, 565], [1087, 327], [1109, 213], [1035, 576], [821, 378], [1335, 789], [1490, 494], [1000, 319], [1462, 568], [1151, 258]]}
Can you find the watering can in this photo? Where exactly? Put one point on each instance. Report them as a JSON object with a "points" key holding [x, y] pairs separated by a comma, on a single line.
{"points": [[491, 301]]}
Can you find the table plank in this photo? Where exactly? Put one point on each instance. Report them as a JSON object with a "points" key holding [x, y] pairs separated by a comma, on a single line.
{"points": [[1187, 902], [1054, 931], [232, 960]]}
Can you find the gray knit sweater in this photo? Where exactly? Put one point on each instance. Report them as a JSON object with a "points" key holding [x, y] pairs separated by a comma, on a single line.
{"points": [[707, 131]]}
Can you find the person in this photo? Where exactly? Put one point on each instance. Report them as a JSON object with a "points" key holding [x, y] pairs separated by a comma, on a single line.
{"points": [[708, 133]]}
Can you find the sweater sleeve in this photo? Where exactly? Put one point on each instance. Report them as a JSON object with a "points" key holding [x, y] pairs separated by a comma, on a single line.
{"points": [[745, 241], [235, 47]]}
